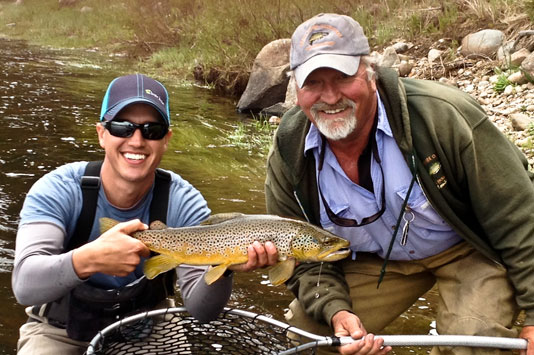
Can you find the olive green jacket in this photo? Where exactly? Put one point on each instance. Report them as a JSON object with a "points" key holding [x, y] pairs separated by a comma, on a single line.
{"points": [[473, 176]]}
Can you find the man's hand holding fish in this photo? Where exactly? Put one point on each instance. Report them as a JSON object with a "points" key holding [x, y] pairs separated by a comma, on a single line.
{"points": [[114, 253], [258, 256]]}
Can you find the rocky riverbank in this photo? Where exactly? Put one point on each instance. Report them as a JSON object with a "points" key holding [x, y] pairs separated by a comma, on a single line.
{"points": [[496, 71], [510, 110], [510, 106]]}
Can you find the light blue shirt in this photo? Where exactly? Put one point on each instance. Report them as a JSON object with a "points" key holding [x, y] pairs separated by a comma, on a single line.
{"points": [[428, 235], [57, 198]]}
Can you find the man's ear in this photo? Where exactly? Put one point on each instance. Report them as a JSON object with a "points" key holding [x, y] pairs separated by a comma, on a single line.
{"points": [[297, 89], [372, 82], [100, 130], [167, 138]]}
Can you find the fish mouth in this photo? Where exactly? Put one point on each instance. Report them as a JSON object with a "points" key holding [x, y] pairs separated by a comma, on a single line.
{"points": [[334, 255]]}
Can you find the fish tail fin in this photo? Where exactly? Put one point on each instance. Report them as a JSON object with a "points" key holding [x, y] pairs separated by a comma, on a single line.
{"points": [[214, 273], [158, 264], [106, 224], [282, 271]]}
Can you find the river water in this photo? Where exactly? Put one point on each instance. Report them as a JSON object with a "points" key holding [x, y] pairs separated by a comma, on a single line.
{"points": [[49, 104]]}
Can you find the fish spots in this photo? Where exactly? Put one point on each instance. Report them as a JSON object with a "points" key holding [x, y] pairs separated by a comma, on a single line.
{"points": [[225, 239]]}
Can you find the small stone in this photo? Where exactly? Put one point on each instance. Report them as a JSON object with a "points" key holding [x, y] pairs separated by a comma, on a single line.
{"points": [[508, 90], [469, 88], [520, 121], [274, 120], [483, 101], [517, 78]]}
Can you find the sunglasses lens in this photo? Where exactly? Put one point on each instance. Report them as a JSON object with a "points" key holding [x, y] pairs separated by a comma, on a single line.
{"points": [[154, 131], [120, 129]]}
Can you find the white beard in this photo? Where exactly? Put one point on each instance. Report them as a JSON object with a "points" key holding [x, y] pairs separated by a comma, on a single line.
{"points": [[338, 128]]}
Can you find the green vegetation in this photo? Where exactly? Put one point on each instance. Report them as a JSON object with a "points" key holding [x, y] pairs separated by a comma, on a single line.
{"points": [[216, 41], [257, 137], [528, 144], [46, 23], [502, 80], [529, 9]]}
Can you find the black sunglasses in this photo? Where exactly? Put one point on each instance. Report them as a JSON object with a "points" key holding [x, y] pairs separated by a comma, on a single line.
{"points": [[125, 129], [347, 222]]}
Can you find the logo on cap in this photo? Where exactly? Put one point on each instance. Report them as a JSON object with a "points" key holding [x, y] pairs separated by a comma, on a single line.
{"points": [[149, 92], [317, 36]]}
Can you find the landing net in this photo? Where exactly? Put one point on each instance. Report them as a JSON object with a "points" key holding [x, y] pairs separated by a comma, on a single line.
{"points": [[174, 331]]}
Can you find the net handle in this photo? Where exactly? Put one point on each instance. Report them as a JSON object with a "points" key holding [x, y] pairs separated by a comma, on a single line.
{"points": [[421, 340]]}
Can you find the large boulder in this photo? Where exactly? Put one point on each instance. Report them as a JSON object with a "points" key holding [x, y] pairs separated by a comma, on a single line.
{"points": [[268, 79], [280, 108], [527, 65], [484, 43]]}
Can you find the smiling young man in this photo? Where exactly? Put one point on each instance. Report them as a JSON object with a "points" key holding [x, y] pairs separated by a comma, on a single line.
{"points": [[79, 281], [414, 174]]}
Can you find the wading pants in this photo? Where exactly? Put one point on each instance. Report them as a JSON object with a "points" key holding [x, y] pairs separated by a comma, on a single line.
{"points": [[475, 296], [44, 339]]}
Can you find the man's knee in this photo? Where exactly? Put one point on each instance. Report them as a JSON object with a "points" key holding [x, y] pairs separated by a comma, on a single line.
{"points": [[472, 325], [48, 340], [297, 317]]}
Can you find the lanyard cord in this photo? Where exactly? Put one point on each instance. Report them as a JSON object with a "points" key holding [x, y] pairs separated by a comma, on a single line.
{"points": [[399, 219], [347, 222]]}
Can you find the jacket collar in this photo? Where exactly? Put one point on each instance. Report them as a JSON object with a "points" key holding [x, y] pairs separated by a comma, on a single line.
{"points": [[393, 97]]}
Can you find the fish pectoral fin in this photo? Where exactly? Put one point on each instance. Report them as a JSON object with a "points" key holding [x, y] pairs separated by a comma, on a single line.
{"points": [[156, 225], [158, 264], [221, 217], [106, 224], [282, 271], [214, 273]]}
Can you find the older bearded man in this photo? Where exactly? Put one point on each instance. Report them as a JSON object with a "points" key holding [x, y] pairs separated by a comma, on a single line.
{"points": [[410, 172]]}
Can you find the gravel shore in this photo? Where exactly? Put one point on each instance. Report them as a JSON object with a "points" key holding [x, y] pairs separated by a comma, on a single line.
{"points": [[510, 110]]}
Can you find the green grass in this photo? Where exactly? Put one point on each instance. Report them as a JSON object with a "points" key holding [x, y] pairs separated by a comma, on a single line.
{"points": [[255, 137], [219, 39], [502, 82], [44, 22]]}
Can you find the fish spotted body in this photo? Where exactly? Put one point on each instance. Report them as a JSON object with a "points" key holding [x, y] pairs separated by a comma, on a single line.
{"points": [[223, 239]]}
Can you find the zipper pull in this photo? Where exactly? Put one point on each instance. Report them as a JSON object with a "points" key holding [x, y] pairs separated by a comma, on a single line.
{"points": [[406, 227]]}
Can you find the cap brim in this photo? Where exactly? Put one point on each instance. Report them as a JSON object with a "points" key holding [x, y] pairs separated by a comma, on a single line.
{"points": [[347, 64], [116, 109]]}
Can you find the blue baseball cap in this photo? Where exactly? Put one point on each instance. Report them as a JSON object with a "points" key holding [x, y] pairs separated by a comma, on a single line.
{"points": [[132, 89]]}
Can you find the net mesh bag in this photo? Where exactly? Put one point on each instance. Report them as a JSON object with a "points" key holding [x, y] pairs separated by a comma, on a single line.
{"points": [[174, 331]]}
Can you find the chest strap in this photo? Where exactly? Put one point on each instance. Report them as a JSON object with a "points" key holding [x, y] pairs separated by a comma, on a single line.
{"points": [[90, 184]]}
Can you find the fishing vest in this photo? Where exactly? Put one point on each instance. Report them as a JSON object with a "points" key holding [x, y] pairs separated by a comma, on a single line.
{"points": [[87, 309]]}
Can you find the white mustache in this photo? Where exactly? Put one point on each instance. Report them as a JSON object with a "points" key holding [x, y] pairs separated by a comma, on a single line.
{"points": [[342, 104]]}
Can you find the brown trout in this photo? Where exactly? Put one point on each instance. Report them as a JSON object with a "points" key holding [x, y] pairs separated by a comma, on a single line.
{"points": [[223, 239]]}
